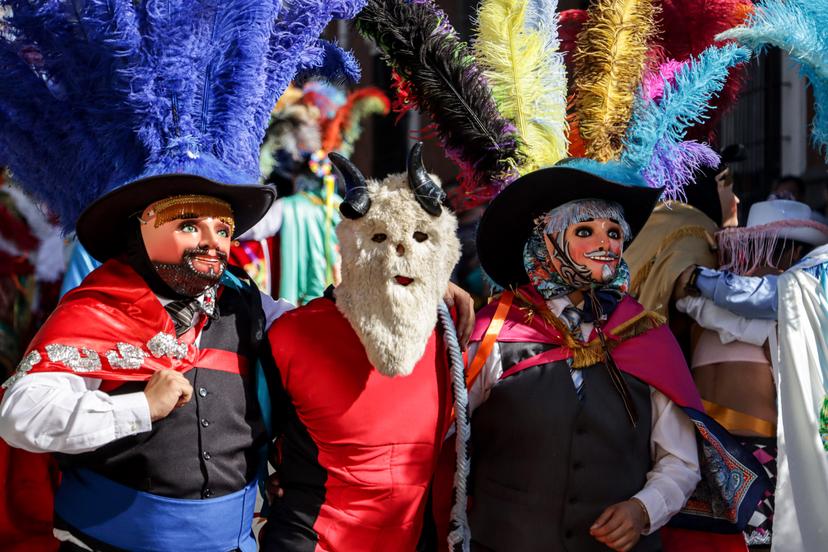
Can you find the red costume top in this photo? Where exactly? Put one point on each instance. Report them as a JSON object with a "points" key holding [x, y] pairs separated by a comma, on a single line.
{"points": [[360, 448]]}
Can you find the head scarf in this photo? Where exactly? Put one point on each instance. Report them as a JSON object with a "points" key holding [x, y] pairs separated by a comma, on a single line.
{"points": [[552, 284]]}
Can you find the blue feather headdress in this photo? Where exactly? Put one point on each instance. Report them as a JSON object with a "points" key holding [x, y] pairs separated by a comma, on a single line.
{"points": [[798, 28], [99, 95], [654, 143]]}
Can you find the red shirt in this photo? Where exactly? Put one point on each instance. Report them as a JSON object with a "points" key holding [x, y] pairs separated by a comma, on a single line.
{"points": [[377, 437]]}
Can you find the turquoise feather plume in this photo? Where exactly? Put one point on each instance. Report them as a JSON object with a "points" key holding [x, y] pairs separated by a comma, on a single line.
{"points": [[654, 140], [798, 28]]}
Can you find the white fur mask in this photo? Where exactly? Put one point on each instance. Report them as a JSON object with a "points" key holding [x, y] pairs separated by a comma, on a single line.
{"points": [[396, 264]]}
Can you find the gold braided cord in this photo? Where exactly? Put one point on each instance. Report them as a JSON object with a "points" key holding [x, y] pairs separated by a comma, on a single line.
{"points": [[587, 354], [610, 60], [191, 206], [684, 232]]}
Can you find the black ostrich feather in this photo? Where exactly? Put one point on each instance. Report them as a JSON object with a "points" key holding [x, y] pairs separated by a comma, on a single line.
{"points": [[443, 79]]}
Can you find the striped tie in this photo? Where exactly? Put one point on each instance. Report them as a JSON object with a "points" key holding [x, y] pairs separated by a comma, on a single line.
{"points": [[183, 313], [572, 317]]}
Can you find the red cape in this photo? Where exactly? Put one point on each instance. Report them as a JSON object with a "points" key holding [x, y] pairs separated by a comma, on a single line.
{"points": [[653, 357], [113, 305]]}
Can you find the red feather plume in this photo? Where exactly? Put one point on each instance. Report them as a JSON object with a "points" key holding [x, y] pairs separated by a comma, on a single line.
{"points": [[333, 132], [690, 26]]}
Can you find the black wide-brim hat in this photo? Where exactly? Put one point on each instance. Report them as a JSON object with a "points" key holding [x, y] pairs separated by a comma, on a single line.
{"points": [[104, 226], [509, 220]]}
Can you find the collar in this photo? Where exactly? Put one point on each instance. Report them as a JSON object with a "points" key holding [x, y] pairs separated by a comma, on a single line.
{"points": [[558, 304], [206, 301]]}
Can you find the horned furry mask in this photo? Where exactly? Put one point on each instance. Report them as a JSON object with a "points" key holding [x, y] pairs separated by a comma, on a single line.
{"points": [[399, 246]]}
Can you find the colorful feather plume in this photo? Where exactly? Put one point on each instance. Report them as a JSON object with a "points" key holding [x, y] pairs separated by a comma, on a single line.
{"points": [[689, 27], [654, 141], [342, 132], [442, 78], [98, 93], [517, 46], [798, 28], [610, 59], [653, 85], [570, 23]]}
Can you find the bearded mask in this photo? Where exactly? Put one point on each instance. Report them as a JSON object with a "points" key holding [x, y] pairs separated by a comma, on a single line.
{"points": [[399, 247], [577, 246], [187, 240]]}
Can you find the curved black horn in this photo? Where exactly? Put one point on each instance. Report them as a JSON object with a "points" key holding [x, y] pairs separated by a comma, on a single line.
{"points": [[428, 194], [356, 202]]}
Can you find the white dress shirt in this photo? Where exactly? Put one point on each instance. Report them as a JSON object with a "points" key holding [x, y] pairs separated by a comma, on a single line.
{"points": [[675, 472], [730, 327], [63, 412]]}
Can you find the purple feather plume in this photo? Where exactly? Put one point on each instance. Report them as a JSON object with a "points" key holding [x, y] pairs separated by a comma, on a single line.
{"points": [[675, 165]]}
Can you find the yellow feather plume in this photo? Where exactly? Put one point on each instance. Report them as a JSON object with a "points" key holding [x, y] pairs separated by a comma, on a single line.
{"points": [[610, 59], [517, 46]]}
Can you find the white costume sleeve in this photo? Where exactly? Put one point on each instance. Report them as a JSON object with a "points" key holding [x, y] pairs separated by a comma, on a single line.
{"points": [[675, 471], [489, 374], [59, 412], [274, 308], [730, 327]]}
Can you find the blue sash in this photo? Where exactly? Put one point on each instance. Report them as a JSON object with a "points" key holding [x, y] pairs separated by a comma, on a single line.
{"points": [[143, 522]]}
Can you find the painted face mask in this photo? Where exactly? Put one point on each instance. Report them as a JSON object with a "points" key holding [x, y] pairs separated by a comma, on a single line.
{"points": [[578, 245], [187, 239], [586, 252]]}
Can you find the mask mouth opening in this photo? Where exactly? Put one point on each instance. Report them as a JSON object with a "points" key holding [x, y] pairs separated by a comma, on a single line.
{"points": [[403, 280], [602, 256], [186, 278]]}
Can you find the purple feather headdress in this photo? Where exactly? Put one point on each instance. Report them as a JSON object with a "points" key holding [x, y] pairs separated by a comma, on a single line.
{"points": [[97, 94]]}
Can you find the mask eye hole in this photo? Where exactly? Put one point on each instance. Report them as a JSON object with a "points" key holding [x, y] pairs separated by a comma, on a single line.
{"points": [[583, 231], [379, 238], [420, 236]]}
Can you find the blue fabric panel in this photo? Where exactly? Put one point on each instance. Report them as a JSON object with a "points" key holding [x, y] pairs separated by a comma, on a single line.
{"points": [[143, 522]]}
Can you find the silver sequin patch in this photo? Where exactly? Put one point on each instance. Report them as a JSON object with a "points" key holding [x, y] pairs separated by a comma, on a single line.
{"points": [[127, 356], [165, 344], [23, 368], [83, 360]]}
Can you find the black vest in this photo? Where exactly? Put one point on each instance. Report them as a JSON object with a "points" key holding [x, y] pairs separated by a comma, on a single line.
{"points": [[211, 446], [545, 465]]}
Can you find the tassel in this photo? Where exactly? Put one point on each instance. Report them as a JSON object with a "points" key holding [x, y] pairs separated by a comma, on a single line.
{"points": [[420, 44], [610, 60], [517, 46]]}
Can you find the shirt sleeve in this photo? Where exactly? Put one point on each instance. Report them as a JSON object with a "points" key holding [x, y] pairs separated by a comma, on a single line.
{"points": [[730, 327], [675, 472], [746, 296], [274, 308], [57, 412], [489, 374]]}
